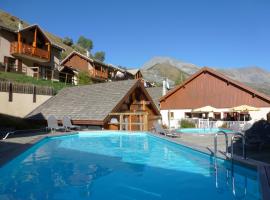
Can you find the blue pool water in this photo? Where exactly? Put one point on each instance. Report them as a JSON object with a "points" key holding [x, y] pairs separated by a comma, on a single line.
{"points": [[122, 166], [203, 130]]}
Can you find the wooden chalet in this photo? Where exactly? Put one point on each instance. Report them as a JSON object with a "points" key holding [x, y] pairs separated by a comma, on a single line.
{"points": [[120, 105], [76, 62], [209, 87], [136, 73], [28, 50]]}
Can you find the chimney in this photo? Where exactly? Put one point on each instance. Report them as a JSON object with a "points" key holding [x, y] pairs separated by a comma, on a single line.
{"points": [[87, 53], [20, 26], [164, 90], [165, 86]]}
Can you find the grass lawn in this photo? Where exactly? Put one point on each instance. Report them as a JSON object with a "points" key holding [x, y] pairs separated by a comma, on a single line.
{"points": [[20, 78]]}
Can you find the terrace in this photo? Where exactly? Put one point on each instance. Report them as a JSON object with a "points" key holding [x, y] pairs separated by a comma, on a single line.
{"points": [[31, 44]]}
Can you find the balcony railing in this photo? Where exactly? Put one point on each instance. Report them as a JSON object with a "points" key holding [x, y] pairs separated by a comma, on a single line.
{"points": [[28, 50], [100, 74]]}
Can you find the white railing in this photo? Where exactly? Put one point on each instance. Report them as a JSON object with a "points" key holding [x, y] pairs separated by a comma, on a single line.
{"points": [[205, 123]]}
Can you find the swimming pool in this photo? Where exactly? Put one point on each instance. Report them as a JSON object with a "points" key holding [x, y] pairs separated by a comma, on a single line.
{"points": [[203, 130], [122, 166]]}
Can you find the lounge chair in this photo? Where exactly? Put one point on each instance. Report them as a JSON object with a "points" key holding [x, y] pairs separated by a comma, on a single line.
{"points": [[159, 130], [68, 125], [53, 125]]}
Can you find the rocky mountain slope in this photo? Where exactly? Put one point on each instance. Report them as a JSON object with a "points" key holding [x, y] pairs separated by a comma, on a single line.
{"points": [[159, 68]]}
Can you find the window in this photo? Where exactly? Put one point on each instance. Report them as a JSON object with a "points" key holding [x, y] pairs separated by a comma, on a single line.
{"points": [[171, 115]]}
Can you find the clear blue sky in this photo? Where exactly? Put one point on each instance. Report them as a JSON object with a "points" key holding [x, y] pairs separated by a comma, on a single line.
{"points": [[218, 33]]}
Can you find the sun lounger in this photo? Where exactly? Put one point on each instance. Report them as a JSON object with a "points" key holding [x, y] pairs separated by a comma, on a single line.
{"points": [[68, 125], [53, 125], [159, 130]]}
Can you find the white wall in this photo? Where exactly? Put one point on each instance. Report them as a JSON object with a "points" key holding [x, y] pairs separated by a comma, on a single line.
{"points": [[180, 114], [21, 105]]}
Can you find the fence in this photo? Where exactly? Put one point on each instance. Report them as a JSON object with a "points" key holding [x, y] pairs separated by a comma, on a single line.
{"points": [[25, 88], [205, 123]]}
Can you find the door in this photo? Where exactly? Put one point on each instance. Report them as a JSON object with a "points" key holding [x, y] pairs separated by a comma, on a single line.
{"points": [[20, 66]]}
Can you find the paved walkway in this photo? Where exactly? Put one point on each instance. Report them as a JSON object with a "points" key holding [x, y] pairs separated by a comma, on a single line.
{"points": [[207, 141], [13, 146]]}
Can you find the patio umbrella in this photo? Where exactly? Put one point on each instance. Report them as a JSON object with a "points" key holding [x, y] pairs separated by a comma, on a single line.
{"points": [[205, 109], [244, 108]]}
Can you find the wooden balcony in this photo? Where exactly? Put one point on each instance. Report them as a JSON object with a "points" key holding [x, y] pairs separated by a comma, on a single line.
{"points": [[28, 51], [99, 74]]}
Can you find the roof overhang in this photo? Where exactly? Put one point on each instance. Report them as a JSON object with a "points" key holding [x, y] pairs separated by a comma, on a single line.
{"points": [[43, 33], [138, 84], [220, 76]]}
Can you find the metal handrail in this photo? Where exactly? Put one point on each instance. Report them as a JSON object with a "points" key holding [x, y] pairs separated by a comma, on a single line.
{"points": [[234, 188], [8, 134], [226, 140], [11, 132], [242, 136]]}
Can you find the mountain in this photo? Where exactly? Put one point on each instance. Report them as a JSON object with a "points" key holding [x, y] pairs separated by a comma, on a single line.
{"points": [[183, 66], [159, 71], [159, 68]]}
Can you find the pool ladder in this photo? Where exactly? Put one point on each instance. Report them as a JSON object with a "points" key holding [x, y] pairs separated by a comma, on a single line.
{"points": [[235, 136], [242, 136], [226, 141]]}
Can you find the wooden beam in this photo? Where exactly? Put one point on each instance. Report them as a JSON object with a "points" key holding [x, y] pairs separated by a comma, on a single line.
{"points": [[35, 39], [130, 113], [19, 42], [145, 122], [129, 118], [49, 51], [34, 42], [121, 123]]}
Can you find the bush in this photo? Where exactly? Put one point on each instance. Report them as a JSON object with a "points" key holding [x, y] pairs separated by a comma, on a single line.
{"points": [[224, 125], [84, 79], [187, 124]]}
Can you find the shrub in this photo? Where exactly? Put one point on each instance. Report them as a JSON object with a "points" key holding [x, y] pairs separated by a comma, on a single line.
{"points": [[187, 124], [224, 125], [84, 79]]}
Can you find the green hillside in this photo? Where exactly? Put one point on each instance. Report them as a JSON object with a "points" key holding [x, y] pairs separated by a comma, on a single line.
{"points": [[20, 78]]}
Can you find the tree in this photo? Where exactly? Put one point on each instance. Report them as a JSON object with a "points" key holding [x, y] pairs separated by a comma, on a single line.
{"points": [[100, 55], [68, 41], [78, 49], [85, 43], [84, 79]]}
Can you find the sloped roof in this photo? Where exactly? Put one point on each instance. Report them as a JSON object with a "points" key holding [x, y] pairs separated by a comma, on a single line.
{"points": [[155, 93], [133, 71], [90, 102], [219, 75], [84, 57], [10, 23]]}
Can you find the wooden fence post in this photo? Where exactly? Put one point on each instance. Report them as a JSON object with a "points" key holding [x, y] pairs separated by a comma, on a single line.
{"points": [[10, 92], [34, 94]]}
